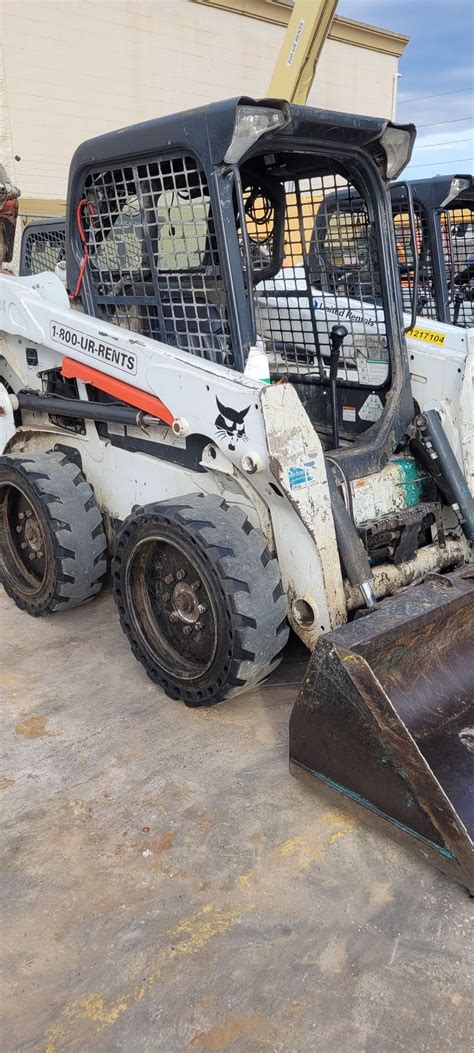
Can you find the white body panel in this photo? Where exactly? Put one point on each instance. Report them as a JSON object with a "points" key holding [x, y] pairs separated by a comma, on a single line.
{"points": [[442, 378]]}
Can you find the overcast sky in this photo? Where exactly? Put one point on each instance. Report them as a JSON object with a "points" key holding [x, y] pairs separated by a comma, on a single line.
{"points": [[438, 63]]}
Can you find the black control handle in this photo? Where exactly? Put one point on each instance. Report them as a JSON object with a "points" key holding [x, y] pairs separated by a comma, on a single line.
{"points": [[336, 339]]}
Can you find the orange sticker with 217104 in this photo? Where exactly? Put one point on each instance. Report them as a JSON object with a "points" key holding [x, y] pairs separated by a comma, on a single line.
{"points": [[427, 335]]}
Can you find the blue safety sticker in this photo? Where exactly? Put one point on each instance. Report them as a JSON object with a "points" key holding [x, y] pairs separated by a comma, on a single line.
{"points": [[300, 475]]}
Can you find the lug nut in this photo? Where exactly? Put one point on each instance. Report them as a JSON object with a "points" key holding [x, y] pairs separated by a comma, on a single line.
{"points": [[187, 630], [29, 513], [168, 579], [180, 574], [39, 555], [23, 544], [21, 515], [196, 584], [174, 616], [19, 529], [166, 597], [198, 626], [32, 555], [202, 608]]}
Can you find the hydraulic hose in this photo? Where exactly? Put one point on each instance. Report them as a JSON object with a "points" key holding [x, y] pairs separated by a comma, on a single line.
{"points": [[62, 407], [451, 471], [351, 549]]}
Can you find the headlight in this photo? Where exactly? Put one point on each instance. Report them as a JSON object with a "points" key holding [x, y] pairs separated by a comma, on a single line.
{"points": [[251, 122], [458, 184], [397, 143]]}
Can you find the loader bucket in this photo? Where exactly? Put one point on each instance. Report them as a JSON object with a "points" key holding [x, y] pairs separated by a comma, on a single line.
{"points": [[385, 716]]}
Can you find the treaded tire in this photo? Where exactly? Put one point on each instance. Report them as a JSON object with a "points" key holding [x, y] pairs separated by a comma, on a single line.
{"points": [[237, 572], [68, 524]]}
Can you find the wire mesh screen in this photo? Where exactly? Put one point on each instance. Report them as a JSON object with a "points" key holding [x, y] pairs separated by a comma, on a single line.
{"points": [[43, 246], [153, 259], [457, 225], [426, 302], [330, 276]]}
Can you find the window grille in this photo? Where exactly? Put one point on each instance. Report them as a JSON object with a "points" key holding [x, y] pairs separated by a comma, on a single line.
{"points": [[153, 259], [330, 275], [458, 241], [426, 304]]}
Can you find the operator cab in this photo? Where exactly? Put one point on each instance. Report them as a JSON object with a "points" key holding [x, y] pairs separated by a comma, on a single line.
{"points": [[196, 230]]}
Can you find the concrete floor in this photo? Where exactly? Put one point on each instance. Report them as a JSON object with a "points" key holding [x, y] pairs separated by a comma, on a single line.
{"points": [[168, 887]]}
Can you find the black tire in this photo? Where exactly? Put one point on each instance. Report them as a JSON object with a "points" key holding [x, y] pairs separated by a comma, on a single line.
{"points": [[205, 639], [52, 540]]}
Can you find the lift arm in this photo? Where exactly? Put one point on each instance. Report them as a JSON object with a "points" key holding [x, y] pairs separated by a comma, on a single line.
{"points": [[295, 67]]}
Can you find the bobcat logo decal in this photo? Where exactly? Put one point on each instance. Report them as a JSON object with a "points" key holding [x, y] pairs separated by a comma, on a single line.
{"points": [[230, 422]]}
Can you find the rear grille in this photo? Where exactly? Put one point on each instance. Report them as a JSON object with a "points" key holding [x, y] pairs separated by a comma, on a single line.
{"points": [[43, 246]]}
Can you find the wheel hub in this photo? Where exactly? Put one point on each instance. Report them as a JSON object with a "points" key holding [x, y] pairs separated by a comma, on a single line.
{"points": [[32, 534], [23, 543], [172, 608], [185, 603]]}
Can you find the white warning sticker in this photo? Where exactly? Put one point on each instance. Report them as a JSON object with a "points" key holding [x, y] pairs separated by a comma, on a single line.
{"points": [[372, 408], [371, 371], [349, 413]]}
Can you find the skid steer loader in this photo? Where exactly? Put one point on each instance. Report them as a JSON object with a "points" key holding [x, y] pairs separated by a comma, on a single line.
{"points": [[229, 507]]}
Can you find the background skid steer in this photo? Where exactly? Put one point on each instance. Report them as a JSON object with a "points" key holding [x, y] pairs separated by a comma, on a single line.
{"points": [[443, 209], [231, 506]]}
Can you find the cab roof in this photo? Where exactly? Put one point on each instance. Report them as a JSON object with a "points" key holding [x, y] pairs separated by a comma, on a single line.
{"points": [[207, 131]]}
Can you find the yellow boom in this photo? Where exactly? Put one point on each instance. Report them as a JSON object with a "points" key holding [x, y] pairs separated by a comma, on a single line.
{"points": [[295, 67]]}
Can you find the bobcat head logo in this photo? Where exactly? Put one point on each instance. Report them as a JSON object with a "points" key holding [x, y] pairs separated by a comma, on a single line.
{"points": [[230, 422]]}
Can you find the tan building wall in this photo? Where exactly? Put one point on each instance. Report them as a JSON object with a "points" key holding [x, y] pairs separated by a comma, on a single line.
{"points": [[74, 70]]}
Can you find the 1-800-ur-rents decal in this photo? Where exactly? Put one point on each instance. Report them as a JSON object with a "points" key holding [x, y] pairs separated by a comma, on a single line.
{"points": [[97, 349]]}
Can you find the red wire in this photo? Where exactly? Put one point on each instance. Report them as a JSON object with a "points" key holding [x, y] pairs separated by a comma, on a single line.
{"points": [[85, 252]]}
